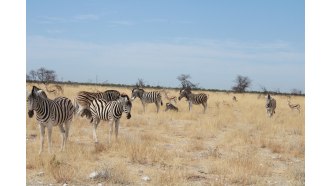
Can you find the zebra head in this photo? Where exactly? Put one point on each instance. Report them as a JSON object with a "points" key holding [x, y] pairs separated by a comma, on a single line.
{"points": [[33, 100], [127, 104], [184, 93], [137, 92]]}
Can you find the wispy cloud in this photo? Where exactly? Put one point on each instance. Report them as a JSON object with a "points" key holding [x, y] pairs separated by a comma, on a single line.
{"points": [[213, 57], [86, 17]]}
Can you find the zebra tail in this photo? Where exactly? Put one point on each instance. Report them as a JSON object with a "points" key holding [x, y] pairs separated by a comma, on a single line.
{"points": [[161, 102]]}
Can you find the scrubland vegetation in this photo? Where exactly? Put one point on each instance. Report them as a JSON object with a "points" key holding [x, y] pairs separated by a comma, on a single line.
{"points": [[234, 143]]}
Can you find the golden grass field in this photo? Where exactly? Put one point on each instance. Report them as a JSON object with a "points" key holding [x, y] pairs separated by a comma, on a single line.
{"points": [[233, 143]]}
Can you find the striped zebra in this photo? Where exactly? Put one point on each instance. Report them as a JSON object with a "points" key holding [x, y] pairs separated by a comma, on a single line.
{"points": [[170, 106], [58, 112], [270, 105], [194, 98], [84, 99], [109, 111], [147, 97]]}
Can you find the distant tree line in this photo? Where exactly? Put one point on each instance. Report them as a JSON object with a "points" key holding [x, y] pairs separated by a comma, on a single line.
{"points": [[242, 83]]}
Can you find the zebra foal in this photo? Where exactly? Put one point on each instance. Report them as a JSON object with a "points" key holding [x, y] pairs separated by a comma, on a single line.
{"points": [[270, 105], [58, 112], [109, 111], [194, 98], [147, 97]]}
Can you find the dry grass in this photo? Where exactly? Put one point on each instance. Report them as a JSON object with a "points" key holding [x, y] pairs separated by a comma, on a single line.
{"points": [[234, 143]]}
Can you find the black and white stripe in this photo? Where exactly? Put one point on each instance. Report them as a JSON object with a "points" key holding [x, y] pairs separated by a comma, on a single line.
{"points": [[194, 98], [109, 111], [50, 113], [147, 97], [84, 99], [270, 105]]}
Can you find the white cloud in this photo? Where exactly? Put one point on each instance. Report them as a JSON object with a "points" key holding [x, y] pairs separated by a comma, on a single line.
{"points": [[86, 17], [256, 60]]}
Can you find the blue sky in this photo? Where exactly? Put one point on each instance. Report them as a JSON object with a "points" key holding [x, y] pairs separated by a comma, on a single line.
{"points": [[213, 41]]}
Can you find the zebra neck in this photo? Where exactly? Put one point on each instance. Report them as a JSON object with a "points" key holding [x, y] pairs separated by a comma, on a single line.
{"points": [[43, 110]]}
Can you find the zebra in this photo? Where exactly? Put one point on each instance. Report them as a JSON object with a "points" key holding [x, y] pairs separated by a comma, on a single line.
{"points": [[234, 99], [294, 106], [270, 105], [58, 112], [170, 106], [147, 97], [84, 99], [109, 111], [194, 98]]}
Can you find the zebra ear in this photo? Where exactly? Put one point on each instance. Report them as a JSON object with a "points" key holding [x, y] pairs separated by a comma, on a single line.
{"points": [[268, 96]]}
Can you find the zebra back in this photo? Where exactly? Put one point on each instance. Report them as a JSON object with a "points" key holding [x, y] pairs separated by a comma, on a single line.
{"points": [[147, 97], [194, 98], [105, 110]]}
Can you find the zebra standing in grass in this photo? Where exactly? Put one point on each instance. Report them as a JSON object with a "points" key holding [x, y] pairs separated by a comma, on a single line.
{"points": [[270, 105], [147, 97], [50, 113], [194, 98], [109, 111], [84, 99]]}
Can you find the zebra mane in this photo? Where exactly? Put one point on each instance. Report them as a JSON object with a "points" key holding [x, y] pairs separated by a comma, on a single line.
{"points": [[140, 89], [39, 92]]}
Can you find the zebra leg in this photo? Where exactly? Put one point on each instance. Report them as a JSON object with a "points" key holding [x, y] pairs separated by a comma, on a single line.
{"points": [[144, 107], [42, 136], [157, 105], [205, 106], [117, 127], [95, 123], [63, 135], [111, 129], [190, 105], [49, 130]]}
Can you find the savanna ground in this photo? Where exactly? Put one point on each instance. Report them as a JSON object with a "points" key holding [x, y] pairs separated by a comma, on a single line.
{"points": [[234, 143]]}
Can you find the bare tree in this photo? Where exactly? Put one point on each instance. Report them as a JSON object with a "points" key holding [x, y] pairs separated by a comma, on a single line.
{"points": [[242, 82], [45, 75], [140, 83], [296, 91], [185, 83]]}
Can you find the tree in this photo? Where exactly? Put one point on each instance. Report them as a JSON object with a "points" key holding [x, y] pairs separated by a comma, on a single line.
{"points": [[242, 82], [140, 83], [185, 83], [45, 75], [296, 91]]}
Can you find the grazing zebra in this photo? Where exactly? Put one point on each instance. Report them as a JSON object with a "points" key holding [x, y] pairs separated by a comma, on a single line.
{"points": [[109, 111], [50, 113], [270, 105], [194, 98], [170, 106], [84, 99], [294, 106], [147, 97]]}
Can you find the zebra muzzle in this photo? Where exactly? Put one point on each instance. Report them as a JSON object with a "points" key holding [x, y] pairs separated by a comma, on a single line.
{"points": [[128, 115], [30, 113]]}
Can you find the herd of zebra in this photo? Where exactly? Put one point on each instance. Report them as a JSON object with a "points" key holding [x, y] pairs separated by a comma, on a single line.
{"points": [[106, 106]]}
